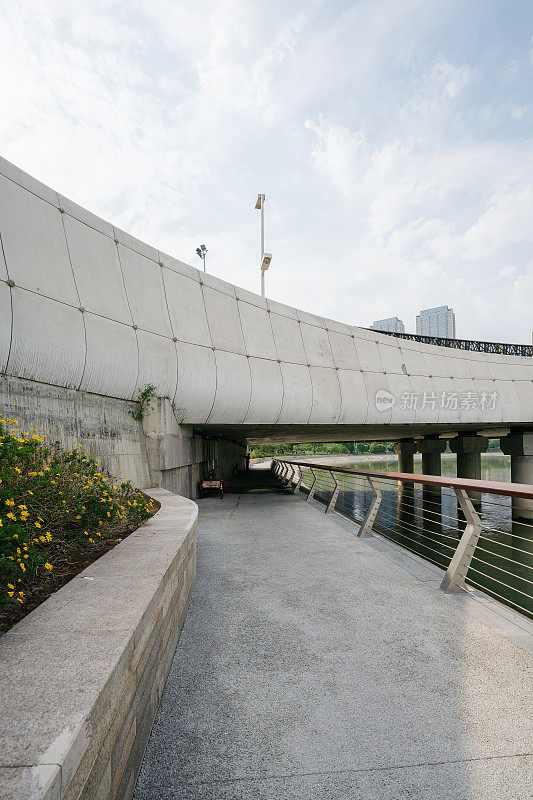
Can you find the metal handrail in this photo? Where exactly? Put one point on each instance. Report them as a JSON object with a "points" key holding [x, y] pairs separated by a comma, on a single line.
{"points": [[463, 549], [500, 348], [524, 490]]}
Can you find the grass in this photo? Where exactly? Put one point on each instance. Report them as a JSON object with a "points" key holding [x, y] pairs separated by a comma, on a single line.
{"points": [[59, 511]]}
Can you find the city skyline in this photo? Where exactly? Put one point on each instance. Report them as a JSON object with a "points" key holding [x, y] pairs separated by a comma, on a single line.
{"points": [[437, 321]]}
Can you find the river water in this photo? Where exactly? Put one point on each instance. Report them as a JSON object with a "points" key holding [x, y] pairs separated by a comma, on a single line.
{"points": [[430, 524]]}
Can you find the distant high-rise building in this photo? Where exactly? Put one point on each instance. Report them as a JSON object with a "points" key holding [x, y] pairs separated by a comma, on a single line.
{"points": [[439, 321], [392, 324]]}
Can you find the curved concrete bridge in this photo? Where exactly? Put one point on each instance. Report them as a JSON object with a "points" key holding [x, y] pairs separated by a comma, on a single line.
{"points": [[86, 306]]}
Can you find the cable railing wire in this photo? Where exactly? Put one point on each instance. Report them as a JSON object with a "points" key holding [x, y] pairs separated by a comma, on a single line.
{"points": [[425, 525]]}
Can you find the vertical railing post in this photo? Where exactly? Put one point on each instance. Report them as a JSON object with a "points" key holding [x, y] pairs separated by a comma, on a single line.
{"points": [[331, 504], [366, 526], [453, 580], [299, 482], [287, 475], [312, 489], [290, 484]]}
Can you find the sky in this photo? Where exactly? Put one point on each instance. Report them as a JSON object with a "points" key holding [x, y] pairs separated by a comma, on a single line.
{"points": [[392, 139]]}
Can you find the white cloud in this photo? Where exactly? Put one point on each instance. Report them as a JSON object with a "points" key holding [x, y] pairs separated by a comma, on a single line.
{"points": [[517, 112], [506, 221], [507, 272], [387, 188], [453, 79]]}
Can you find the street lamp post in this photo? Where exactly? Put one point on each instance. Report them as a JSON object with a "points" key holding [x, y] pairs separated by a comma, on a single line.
{"points": [[266, 258], [202, 250]]}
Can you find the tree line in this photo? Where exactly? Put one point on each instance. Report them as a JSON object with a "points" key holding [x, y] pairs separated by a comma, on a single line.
{"points": [[335, 448]]}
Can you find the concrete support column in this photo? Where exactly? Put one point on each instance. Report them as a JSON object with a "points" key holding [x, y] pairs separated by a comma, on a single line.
{"points": [[405, 450], [431, 449], [520, 447], [468, 449]]}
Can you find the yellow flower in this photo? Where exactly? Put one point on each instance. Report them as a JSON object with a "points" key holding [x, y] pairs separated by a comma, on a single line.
{"points": [[10, 502], [11, 594], [12, 516], [29, 491], [37, 524], [1, 524], [16, 468], [10, 586], [23, 568], [48, 566]]}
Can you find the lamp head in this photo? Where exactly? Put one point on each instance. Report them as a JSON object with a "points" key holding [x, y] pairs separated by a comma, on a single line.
{"points": [[267, 258], [260, 200]]}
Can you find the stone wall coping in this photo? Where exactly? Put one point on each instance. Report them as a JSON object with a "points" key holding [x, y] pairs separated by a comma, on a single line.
{"points": [[61, 665]]}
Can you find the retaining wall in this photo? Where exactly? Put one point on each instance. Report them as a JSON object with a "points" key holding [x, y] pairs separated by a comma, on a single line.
{"points": [[82, 675], [156, 452]]}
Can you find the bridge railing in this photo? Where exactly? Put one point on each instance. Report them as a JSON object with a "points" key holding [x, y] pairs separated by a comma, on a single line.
{"points": [[463, 526], [500, 348]]}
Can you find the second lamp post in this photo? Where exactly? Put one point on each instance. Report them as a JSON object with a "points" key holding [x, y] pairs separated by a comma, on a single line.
{"points": [[266, 258]]}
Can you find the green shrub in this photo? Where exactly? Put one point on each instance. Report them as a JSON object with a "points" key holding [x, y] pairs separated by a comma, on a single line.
{"points": [[55, 504]]}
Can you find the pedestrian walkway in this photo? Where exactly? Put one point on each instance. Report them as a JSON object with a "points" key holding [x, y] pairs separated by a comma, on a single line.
{"points": [[311, 666]]}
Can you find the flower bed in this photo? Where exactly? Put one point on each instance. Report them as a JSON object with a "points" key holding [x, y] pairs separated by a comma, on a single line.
{"points": [[59, 511]]}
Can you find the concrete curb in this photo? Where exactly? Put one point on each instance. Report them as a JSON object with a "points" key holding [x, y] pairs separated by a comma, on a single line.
{"points": [[81, 677]]}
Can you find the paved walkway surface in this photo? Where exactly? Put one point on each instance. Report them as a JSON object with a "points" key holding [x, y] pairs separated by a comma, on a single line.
{"points": [[312, 667]]}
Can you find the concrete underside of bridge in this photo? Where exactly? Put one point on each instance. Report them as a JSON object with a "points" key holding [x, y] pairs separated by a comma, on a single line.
{"points": [[261, 434]]}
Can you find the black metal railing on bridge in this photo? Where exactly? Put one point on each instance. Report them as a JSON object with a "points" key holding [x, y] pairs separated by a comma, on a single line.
{"points": [[466, 344]]}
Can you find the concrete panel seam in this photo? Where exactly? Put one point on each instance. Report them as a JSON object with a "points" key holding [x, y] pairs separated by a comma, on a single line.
{"points": [[10, 303], [129, 247], [21, 186], [129, 307], [77, 292], [247, 355]]}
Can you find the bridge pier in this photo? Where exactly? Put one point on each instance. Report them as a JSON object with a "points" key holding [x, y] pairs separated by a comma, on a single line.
{"points": [[405, 450], [468, 450], [520, 447], [431, 449]]}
